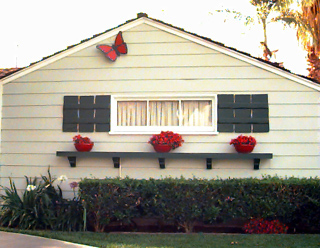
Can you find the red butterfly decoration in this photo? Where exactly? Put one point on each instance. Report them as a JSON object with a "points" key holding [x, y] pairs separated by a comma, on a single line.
{"points": [[112, 52]]}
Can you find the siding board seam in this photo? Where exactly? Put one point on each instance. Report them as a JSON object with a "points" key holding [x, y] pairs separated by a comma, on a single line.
{"points": [[107, 142], [58, 104], [44, 117], [155, 79], [160, 79], [58, 117], [144, 67], [142, 142], [147, 79], [151, 55], [214, 91], [273, 130]]}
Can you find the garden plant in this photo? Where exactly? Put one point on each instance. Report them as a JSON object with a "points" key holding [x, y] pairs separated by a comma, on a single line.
{"points": [[268, 205], [41, 206]]}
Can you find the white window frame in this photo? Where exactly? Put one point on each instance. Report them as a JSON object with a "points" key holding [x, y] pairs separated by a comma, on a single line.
{"points": [[115, 129]]}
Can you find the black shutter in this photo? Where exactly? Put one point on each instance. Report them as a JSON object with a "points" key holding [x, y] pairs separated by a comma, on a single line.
{"points": [[86, 114], [70, 114], [243, 113], [102, 117], [225, 113], [260, 114]]}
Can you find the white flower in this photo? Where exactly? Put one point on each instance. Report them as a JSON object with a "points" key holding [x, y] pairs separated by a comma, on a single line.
{"points": [[31, 187], [62, 178]]}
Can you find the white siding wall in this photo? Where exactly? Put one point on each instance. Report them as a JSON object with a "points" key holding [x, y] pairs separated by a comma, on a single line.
{"points": [[157, 63]]}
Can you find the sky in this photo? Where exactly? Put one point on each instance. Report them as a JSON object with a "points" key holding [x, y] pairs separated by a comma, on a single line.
{"points": [[33, 29]]}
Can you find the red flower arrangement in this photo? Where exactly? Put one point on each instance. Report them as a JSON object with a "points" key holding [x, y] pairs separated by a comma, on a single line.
{"points": [[82, 144], [243, 140], [78, 139], [244, 144], [262, 226], [167, 138]]}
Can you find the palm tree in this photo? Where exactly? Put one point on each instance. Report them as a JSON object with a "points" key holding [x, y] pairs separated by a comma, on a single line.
{"points": [[306, 20], [264, 8]]}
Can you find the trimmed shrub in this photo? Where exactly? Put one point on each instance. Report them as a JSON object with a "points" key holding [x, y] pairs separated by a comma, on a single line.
{"points": [[109, 200], [185, 201]]}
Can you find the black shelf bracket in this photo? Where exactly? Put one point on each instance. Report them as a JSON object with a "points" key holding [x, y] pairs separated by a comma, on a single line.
{"points": [[72, 161], [256, 163], [116, 162], [162, 163], [209, 163]]}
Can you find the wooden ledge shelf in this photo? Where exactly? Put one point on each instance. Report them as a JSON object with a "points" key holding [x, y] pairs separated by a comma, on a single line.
{"points": [[256, 157]]}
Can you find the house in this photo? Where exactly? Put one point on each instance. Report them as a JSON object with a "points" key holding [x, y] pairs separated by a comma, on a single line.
{"points": [[223, 93]]}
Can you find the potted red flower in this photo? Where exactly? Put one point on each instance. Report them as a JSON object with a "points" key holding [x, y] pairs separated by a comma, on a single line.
{"points": [[166, 141], [244, 144], [82, 144]]}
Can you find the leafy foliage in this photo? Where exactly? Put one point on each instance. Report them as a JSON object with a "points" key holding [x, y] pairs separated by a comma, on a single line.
{"points": [[109, 200], [40, 206], [31, 211], [314, 64], [265, 9], [186, 201], [306, 20]]}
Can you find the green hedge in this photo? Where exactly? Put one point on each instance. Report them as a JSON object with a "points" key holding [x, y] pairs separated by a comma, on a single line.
{"points": [[292, 201]]}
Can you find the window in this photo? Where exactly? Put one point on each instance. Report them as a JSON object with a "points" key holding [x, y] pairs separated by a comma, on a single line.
{"points": [[149, 115], [240, 113]]}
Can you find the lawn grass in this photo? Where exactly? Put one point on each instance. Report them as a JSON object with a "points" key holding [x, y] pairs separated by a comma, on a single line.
{"points": [[199, 240]]}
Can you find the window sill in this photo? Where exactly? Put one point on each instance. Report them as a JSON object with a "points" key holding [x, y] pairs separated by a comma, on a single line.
{"points": [[155, 132], [256, 157]]}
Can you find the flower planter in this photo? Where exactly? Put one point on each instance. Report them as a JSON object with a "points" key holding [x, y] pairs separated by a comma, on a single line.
{"points": [[86, 147], [244, 148], [162, 148], [166, 141]]}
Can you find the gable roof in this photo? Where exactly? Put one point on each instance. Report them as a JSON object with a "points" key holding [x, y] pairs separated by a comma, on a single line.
{"points": [[142, 18]]}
